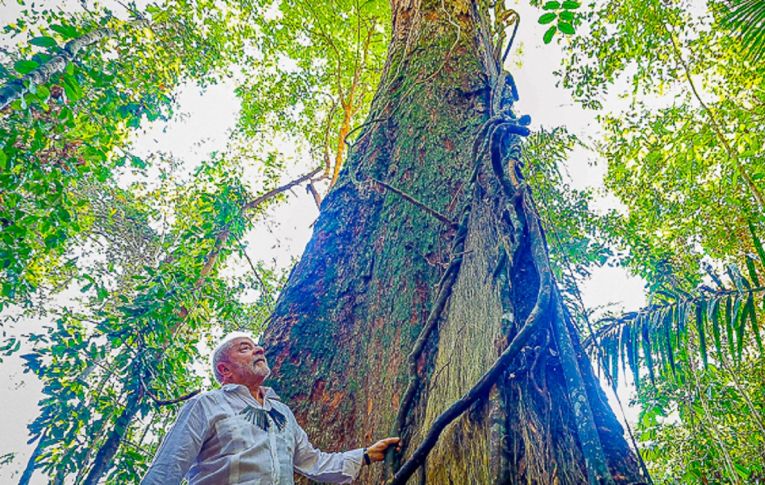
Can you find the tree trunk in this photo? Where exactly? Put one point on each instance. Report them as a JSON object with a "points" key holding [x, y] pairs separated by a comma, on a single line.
{"points": [[367, 284], [29, 470]]}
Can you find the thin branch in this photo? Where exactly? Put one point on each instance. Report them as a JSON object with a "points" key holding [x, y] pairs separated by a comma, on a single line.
{"points": [[278, 190], [416, 202], [311, 188], [16, 88], [162, 402]]}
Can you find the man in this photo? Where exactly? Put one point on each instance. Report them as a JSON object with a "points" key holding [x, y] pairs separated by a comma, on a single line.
{"points": [[242, 434]]}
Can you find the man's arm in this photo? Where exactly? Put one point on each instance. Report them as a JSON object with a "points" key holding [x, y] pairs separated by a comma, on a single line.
{"points": [[180, 447], [317, 465], [343, 467]]}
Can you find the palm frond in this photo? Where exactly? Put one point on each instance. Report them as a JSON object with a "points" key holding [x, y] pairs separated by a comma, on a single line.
{"points": [[746, 18], [656, 341]]}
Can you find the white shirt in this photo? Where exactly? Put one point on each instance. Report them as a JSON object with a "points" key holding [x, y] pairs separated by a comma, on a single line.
{"points": [[213, 442]]}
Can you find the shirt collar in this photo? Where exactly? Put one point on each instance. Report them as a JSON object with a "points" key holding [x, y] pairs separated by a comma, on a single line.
{"points": [[269, 393]]}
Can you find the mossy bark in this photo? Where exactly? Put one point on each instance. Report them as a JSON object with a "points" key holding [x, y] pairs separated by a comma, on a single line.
{"points": [[355, 303]]}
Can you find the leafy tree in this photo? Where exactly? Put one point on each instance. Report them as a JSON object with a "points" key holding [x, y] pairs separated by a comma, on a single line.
{"points": [[685, 159], [77, 92]]}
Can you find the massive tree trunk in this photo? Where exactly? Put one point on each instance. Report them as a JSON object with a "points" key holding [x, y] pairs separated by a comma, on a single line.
{"points": [[441, 144]]}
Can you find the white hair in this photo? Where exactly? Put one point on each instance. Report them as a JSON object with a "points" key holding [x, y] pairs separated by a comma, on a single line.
{"points": [[221, 351]]}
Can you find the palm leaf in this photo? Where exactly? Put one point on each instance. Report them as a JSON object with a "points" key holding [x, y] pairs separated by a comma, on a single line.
{"points": [[730, 322], [647, 353], [746, 18], [757, 244], [659, 336], [752, 314], [752, 271], [700, 307], [668, 343], [713, 314]]}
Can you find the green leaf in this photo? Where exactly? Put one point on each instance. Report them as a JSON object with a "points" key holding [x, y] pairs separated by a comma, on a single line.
{"points": [[757, 245], [551, 6], [25, 67], [72, 87], [752, 271], [43, 93], [632, 355], [749, 310], [547, 18], [3, 160], [570, 5], [624, 345], [729, 322], [547, 38], [713, 314], [742, 471], [702, 335], [567, 16], [669, 348], [647, 351], [66, 31], [44, 41], [740, 325], [566, 28]]}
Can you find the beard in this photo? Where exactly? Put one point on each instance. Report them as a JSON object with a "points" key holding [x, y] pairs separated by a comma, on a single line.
{"points": [[261, 369]]}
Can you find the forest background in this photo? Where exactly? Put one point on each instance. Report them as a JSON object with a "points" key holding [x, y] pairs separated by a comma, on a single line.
{"points": [[171, 166]]}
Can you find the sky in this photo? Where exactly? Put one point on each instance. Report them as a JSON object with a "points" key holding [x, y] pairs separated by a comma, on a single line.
{"points": [[202, 125]]}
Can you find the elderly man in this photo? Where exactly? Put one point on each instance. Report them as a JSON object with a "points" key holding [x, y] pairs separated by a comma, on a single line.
{"points": [[242, 433]]}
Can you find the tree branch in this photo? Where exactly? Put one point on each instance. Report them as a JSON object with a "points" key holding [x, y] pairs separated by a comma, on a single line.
{"points": [[416, 202], [16, 88], [278, 190]]}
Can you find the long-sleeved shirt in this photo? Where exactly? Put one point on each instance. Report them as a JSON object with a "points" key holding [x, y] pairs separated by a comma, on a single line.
{"points": [[214, 442]]}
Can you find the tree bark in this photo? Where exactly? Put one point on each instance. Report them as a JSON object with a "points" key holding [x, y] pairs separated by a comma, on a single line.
{"points": [[16, 88], [441, 132]]}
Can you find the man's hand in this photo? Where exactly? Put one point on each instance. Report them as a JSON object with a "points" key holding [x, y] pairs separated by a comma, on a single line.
{"points": [[376, 452]]}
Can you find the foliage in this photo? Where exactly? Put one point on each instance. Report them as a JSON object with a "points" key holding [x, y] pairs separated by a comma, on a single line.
{"points": [[564, 14], [314, 75], [682, 141], [688, 167], [724, 321], [706, 428], [72, 132], [573, 229], [747, 19], [143, 333]]}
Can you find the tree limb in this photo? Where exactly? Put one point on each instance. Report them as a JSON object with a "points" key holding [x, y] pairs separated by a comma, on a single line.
{"points": [[414, 201], [16, 88]]}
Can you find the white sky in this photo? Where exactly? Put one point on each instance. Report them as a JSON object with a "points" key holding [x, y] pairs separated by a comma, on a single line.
{"points": [[205, 127]]}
